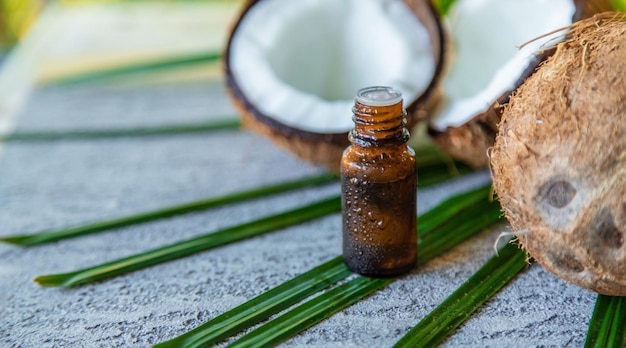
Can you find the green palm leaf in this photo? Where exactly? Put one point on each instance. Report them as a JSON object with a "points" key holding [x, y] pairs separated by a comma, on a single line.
{"points": [[263, 306], [200, 127], [193, 245], [457, 308], [607, 327], [57, 235], [139, 68]]}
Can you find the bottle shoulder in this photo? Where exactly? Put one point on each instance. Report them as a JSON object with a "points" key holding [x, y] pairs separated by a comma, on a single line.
{"points": [[385, 164]]}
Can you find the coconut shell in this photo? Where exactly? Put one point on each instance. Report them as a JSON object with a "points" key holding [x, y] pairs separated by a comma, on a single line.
{"points": [[470, 142], [326, 148], [559, 160]]}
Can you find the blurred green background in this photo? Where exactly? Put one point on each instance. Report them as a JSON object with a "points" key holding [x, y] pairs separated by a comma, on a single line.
{"points": [[16, 16]]}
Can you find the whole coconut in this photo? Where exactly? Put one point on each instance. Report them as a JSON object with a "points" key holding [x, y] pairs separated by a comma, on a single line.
{"points": [[559, 161]]}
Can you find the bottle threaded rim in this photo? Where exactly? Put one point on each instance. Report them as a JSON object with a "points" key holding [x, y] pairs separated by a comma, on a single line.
{"points": [[378, 96]]}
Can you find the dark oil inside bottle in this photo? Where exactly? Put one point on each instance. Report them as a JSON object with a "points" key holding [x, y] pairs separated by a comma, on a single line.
{"points": [[379, 225]]}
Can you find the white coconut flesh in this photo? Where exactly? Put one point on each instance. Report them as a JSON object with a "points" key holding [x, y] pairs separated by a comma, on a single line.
{"points": [[487, 59], [301, 62]]}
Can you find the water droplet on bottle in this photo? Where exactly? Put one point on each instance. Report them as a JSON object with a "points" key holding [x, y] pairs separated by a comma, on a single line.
{"points": [[371, 216], [382, 223]]}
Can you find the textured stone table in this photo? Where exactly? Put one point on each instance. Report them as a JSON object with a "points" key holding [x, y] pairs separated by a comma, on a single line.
{"points": [[54, 184]]}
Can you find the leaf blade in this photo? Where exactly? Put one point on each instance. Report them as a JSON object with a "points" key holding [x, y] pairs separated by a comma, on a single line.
{"points": [[607, 327], [136, 68], [262, 306], [459, 228], [192, 246], [311, 312], [99, 226], [448, 208], [189, 128], [459, 306]]}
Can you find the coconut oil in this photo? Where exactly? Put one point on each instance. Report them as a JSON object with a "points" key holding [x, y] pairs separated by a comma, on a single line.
{"points": [[379, 178]]}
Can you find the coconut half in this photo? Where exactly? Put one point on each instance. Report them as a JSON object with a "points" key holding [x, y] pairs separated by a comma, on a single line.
{"points": [[293, 67], [497, 44]]}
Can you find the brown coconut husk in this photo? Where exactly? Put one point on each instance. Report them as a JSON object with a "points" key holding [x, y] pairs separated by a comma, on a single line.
{"points": [[470, 142], [326, 148], [559, 160]]}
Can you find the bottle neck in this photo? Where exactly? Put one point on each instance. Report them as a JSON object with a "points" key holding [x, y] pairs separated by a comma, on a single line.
{"points": [[378, 125]]}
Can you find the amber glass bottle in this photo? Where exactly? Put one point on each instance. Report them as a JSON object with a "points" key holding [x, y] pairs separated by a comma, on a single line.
{"points": [[379, 177]]}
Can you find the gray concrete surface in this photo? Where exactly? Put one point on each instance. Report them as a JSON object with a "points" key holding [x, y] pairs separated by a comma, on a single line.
{"points": [[46, 185]]}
